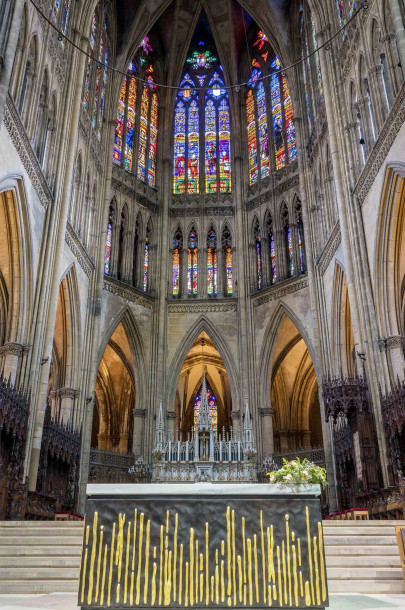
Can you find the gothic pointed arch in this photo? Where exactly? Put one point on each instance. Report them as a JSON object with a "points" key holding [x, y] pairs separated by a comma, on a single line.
{"points": [[202, 324], [344, 357]]}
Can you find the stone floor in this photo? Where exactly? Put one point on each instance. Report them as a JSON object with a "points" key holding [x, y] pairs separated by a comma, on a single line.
{"points": [[67, 601]]}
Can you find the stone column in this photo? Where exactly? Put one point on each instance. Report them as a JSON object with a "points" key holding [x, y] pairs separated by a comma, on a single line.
{"points": [[266, 262], [202, 284], [365, 121], [252, 265], [395, 346], [221, 271], [139, 425], [236, 425], [397, 20], [296, 249], [171, 418], [266, 417], [128, 257], [283, 436], [11, 353], [9, 31], [67, 404], [281, 262], [377, 86]]}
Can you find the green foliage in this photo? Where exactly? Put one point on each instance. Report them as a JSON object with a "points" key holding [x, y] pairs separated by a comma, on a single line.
{"points": [[299, 472]]}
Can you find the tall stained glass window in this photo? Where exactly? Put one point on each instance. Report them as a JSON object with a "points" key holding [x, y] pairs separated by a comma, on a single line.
{"points": [[137, 152], [289, 246], [341, 12], [269, 113], [277, 114], [227, 246], [210, 148], [177, 245], [273, 259], [212, 263], [259, 260], [263, 130], [252, 138], [108, 241], [192, 263], [352, 7], [212, 144], [300, 246], [213, 409], [95, 80], [193, 159], [146, 264], [65, 15]]}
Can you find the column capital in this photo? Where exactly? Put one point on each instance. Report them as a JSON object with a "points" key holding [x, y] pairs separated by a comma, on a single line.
{"points": [[266, 411]]}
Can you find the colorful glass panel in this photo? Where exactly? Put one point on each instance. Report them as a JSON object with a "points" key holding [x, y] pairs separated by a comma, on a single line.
{"points": [[130, 125], [352, 7], [263, 130], [259, 269], [261, 40], [301, 250], [146, 265], [98, 81], [317, 61], [212, 265], [306, 93], [341, 12], [252, 139], [55, 9], [210, 148], [254, 78], [201, 60], [273, 259], [143, 130], [212, 406], [290, 257], [289, 121], [108, 241], [228, 267], [153, 140], [119, 128], [224, 129], [192, 269], [277, 115], [193, 158], [176, 266], [146, 46], [217, 89], [89, 70], [65, 14], [179, 179]]}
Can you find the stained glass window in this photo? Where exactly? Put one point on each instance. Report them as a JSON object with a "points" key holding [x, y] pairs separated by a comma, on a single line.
{"points": [[341, 12], [227, 244], [146, 264], [352, 7], [192, 268], [290, 257], [65, 14], [143, 130], [55, 9], [210, 145], [213, 409], [210, 148], [108, 241], [177, 242], [252, 139], [259, 268], [146, 46], [98, 80], [317, 61], [300, 246], [130, 124], [89, 70], [212, 264], [179, 148], [261, 40], [273, 259], [153, 140], [224, 129], [193, 151], [119, 128], [277, 115], [289, 121], [263, 130]]}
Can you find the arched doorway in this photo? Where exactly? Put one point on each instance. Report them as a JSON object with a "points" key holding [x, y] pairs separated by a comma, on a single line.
{"points": [[203, 356], [294, 393]]}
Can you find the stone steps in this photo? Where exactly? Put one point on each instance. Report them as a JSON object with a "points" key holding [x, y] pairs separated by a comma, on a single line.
{"points": [[44, 557]]}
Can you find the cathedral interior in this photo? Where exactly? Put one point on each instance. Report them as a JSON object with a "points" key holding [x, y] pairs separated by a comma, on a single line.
{"points": [[200, 194]]}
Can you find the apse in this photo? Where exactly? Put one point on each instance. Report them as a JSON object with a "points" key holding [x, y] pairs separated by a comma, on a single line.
{"points": [[203, 357], [115, 396], [294, 392]]}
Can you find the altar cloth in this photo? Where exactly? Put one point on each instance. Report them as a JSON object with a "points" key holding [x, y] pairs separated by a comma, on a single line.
{"points": [[203, 545]]}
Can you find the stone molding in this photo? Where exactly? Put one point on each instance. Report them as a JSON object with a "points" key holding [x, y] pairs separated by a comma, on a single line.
{"points": [[330, 248], [78, 250], [199, 201], [235, 415], [264, 198], [64, 393], [140, 413], [228, 210], [14, 349], [381, 148], [171, 415], [25, 151], [127, 292], [390, 343], [128, 184], [202, 306], [276, 292], [89, 137]]}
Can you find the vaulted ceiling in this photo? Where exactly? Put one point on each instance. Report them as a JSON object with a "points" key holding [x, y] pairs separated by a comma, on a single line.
{"points": [[173, 24]]}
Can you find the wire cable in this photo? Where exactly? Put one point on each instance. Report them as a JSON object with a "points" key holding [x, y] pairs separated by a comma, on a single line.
{"points": [[325, 45]]}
